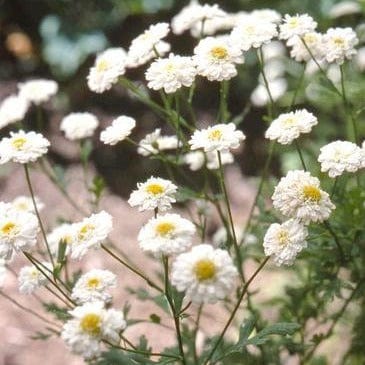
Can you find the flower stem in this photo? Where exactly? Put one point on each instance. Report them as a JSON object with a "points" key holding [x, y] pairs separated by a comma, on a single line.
{"points": [[223, 109], [337, 241], [300, 154]]}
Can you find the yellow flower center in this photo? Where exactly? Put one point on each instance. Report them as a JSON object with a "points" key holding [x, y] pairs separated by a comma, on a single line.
{"points": [[102, 65], [204, 270], [312, 193], [18, 143], [83, 232], [169, 67], [309, 38], [90, 324], [8, 228], [250, 29], [219, 53], [165, 228], [338, 41], [293, 22], [155, 189], [215, 135], [283, 237], [93, 283], [289, 121]]}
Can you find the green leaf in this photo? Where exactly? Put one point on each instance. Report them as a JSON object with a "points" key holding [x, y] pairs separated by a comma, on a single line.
{"points": [[155, 318], [97, 187], [58, 312], [86, 149]]}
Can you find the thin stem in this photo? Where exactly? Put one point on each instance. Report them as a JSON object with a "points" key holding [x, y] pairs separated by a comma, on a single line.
{"points": [[233, 232], [223, 110], [196, 328], [337, 241], [26, 170], [334, 187], [296, 91], [300, 154], [235, 309], [136, 271], [173, 309]]}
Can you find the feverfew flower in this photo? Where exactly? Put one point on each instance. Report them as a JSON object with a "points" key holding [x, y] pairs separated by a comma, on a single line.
{"points": [[313, 40], [205, 274], [289, 126], [144, 47], [260, 96], [79, 125], [297, 25], [339, 44], [340, 156], [285, 241], [215, 58], [253, 32], [192, 16], [120, 129], [155, 193], [153, 143], [93, 286], [298, 195], [64, 233], [220, 137], [166, 235], [91, 323], [171, 73], [89, 233], [38, 91], [195, 160], [18, 230], [108, 66], [23, 147], [213, 160], [25, 204], [31, 278], [12, 109]]}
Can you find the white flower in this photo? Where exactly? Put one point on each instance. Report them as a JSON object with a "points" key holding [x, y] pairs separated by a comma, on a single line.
{"points": [[213, 25], [288, 126], [220, 236], [93, 285], [171, 73], [192, 16], [299, 51], [23, 147], [195, 160], [64, 233], [18, 230], [108, 66], [339, 44], [297, 25], [79, 125], [90, 324], [340, 156], [154, 193], [153, 143], [260, 96], [89, 233], [285, 241], [253, 32], [25, 204], [38, 91], [298, 195], [120, 129], [12, 109], [205, 274], [144, 47], [344, 8], [213, 160], [267, 15], [31, 278], [166, 235], [215, 58], [220, 137]]}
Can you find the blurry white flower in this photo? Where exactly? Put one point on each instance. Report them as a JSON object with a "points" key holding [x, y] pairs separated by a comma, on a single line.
{"points": [[79, 125], [339, 44], [205, 274], [266, 15], [213, 161], [38, 91], [296, 25], [260, 96], [360, 60], [166, 235], [64, 233], [220, 137], [288, 126], [274, 49], [344, 8], [340, 156], [213, 25], [23, 147], [93, 285], [31, 278], [171, 73], [90, 233], [215, 58], [195, 160], [220, 236], [285, 241], [120, 129], [298, 195], [91, 323], [313, 40], [12, 109], [155, 193], [108, 66], [25, 204]]}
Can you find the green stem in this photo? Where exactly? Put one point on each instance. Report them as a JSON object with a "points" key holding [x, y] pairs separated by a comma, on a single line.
{"points": [[300, 154], [235, 309], [336, 239], [296, 91], [223, 109]]}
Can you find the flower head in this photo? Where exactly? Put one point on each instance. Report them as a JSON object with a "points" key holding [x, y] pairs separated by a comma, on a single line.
{"points": [[38, 91], [296, 25], [12, 109], [79, 125], [120, 129], [65, 233], [312, 40], [25, 204], [205, 274], [31, 278]]}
